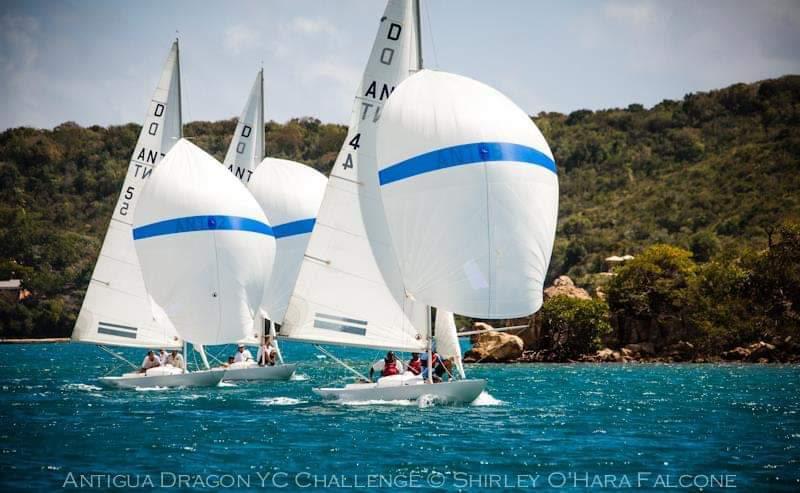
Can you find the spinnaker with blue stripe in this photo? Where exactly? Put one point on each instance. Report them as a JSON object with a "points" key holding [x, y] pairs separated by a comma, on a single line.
{"points": [[470, 193], [205, 247], [290, 194]]}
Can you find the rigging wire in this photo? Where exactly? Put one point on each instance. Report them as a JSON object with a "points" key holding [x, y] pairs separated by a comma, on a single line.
{"points": [[430, 30]]}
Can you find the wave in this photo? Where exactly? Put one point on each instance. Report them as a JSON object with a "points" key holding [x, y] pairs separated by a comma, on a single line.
{"points": [[486, 399], [280, 401], [299, 377]]}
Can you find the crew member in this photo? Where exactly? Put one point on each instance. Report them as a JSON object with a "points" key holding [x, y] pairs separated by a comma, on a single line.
{"points": [[242, 354], [150, 361]]}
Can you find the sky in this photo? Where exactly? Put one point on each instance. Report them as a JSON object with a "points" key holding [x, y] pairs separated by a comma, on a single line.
{"points": [[97, 62]]}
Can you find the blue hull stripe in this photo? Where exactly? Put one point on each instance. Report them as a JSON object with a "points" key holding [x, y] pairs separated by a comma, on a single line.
{"points": [[201, 223], [480, 152], [293, 228]]}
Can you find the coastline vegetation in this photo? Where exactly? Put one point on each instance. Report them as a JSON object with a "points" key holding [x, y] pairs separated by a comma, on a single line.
{"points": [[704, 192]]}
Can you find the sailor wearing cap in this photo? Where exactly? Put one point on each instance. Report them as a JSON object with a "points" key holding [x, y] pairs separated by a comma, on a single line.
{"points": [[242, 354]]}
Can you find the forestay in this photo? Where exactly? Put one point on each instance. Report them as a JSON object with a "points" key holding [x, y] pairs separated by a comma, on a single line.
{"points": [[349, 290], [205, 247], [246, 149], [117, 309], [447, 339], [290, 194], [470, 192]]}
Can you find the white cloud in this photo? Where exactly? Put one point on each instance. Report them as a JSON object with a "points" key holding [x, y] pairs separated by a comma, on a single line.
{"points": [[338, 72], [307, 25], [239, 37]]}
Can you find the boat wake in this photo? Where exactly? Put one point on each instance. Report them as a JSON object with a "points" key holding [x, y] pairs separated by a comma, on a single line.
{"points": [[150, 389], [299, 377], [81, 386], [486, 399], [226, 384], [280, 401], [427, 400]]}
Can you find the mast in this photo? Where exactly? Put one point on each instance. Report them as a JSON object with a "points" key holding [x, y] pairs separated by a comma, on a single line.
{"points": [[430, 342], [418, 22], [180, 98]]}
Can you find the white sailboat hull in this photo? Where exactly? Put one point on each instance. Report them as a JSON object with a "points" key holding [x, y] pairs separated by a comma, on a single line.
{"points": [[458, 391], [204, 378], [255, 372]]}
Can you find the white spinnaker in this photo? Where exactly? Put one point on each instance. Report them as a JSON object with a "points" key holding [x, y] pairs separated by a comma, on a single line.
{"points": [[205, 247], [246, 149], [447, 339], [117, 309], [290, 194], [349, 290], [470, 192]]}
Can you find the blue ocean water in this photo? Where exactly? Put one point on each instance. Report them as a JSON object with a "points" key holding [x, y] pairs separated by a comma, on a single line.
{"points": [[544, 427]]}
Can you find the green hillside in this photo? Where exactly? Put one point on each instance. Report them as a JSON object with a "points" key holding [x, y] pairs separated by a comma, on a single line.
{"points": [[716, 173]]}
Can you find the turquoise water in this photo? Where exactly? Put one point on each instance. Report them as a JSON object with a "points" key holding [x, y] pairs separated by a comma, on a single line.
{"points": [[543, 427]]}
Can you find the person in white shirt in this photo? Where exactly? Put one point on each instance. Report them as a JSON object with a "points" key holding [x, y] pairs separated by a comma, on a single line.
{"points": [[242, 354], [176, 359], [150, 361], [162, 356], [266, 353]]}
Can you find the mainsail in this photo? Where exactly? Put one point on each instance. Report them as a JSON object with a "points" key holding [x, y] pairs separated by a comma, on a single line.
{"points": [[349, 290], [290, 194], [117, 309], [205, 247], [470, 191], [246, 149]]}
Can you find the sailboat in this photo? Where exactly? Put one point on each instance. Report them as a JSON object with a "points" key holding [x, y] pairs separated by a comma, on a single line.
{"points": [[470, 192], [287, 192], [205, 247], [350, 290], [117, 309]]}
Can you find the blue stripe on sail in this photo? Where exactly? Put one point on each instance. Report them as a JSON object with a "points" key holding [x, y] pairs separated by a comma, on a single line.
{"points": [[300, 227], [201, 223], [459, 155]]}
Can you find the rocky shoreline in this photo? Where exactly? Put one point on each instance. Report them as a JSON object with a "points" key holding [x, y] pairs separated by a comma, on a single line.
{"points": [[574, 326], [499, 347]]}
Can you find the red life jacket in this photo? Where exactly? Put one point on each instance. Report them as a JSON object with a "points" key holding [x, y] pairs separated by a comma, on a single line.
{"points": [[389, 368], [415, 366]]}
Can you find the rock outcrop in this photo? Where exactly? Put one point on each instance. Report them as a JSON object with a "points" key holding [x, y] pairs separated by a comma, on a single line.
{"points": [[493, 347], [563, 286]]}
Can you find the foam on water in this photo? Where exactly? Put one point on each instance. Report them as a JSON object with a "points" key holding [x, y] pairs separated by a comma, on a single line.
{"points": [[427, 400], [80, 386], [486, 399], [226, 384], [280, 401], [151, 389], [298, 377]]}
